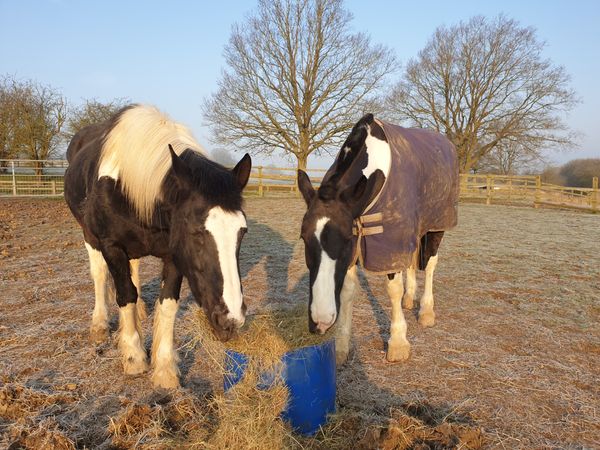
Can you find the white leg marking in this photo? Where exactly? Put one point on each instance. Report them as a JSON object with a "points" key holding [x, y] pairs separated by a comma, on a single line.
{"points": [[164, 358], [398, 346], [322, 308], [134, 267], [426, 314], [100, 275], [130, 341], [411, 288], [344, 328], [225, 227]]}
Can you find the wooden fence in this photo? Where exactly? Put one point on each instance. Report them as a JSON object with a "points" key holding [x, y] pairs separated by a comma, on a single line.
{"points": [[18, 178]]}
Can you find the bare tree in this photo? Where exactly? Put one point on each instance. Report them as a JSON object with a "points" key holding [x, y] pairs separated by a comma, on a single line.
{"points": [[296, 80], [223, 157], [8, 119], [36, 115], [91, 112], [510, 158], [551, 174], [580, 172], [485, 84]]}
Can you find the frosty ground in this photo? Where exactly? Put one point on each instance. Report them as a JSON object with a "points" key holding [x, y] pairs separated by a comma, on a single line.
{"points": [[515, 353]]}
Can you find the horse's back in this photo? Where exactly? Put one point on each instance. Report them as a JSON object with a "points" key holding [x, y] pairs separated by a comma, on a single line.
{"points": [[83, 154], [83, 138]]}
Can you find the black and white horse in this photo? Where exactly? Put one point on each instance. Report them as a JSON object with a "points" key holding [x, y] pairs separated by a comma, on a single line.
{"points": [[385, 203], [141, 185]]}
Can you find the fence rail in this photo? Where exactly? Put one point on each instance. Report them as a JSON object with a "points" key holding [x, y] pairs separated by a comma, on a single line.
{"points": [[46, 178]]}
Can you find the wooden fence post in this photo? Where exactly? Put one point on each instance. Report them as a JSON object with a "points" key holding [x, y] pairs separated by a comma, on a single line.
{"points": [[53, 183], [260, 181], [538, 191], [594, 194], [488, 188], [14, 180]]}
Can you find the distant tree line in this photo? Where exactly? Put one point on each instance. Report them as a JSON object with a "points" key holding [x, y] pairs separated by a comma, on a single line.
{"points": [[575, 173], [36, 120], [297, 78]]}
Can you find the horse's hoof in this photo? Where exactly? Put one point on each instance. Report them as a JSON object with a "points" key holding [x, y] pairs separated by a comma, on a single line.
{"points": [[135, 365], [98, 335], [407, 302], [398, 351], [427, 319], [341, 357], [165, 377]]}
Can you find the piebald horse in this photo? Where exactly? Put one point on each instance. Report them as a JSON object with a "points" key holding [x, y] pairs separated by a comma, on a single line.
{"points": [[139, 184], [384, 203]]}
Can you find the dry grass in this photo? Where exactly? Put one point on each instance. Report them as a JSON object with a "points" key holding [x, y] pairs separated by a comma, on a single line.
{"points": [[511, 363], [249, 417]]}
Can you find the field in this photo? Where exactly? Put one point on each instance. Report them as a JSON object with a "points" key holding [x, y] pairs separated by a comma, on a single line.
{"points": [[513, 361]]}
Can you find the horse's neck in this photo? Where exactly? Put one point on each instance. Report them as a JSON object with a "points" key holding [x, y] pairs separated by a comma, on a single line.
{"points": [[346, 172]]}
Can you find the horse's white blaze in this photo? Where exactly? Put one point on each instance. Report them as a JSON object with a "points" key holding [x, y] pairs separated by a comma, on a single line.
{"points": [[380, 156], [136, 152], [323, 309], [224, 227]]}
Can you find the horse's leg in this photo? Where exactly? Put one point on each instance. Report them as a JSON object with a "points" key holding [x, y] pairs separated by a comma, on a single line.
{"points": [[99, 271], [130, 335], [164, 358], [428, 260], [398, 346], [411, 288], [344, 327], [426, 314], [134, 266]]}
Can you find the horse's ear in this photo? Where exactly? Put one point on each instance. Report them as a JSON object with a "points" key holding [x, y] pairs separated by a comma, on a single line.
{"points": [[305, 186], [241, 171], [180, 168], [363, 192]]}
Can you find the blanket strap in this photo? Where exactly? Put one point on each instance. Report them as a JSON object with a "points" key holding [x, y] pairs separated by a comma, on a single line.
{"points": [[362, 228], [365, 225]]}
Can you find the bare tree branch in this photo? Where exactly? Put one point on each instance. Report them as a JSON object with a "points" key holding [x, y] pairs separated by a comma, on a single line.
{"points": [[485, 85], [296, 79]]}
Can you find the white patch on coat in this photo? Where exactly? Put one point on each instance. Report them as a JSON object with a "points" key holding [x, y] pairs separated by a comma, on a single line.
{"points": [[426, 303], [225, 227], [99, 272], [130, 340], [322, 308], [380, 156], [136, 152], [164, 358]]}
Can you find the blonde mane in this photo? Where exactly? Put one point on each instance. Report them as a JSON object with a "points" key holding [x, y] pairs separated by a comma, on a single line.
{"points": [[135, 152]]}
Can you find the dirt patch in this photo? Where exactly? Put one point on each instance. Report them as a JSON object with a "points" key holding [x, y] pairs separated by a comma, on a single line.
{"points": [[511, 363]]}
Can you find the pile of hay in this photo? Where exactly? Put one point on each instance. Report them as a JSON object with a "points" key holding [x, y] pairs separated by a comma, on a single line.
{"points": [[249, 416], [265, 337]]}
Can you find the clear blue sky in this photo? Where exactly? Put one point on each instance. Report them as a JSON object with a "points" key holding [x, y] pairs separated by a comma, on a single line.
{"points": [[169, 53]]}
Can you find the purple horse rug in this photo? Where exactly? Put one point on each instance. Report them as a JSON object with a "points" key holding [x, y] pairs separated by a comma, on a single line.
{"points": [[420, 194]]}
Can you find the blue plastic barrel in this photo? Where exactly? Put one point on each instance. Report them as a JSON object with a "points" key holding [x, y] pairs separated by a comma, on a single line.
{"points": [[309, 374]]}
